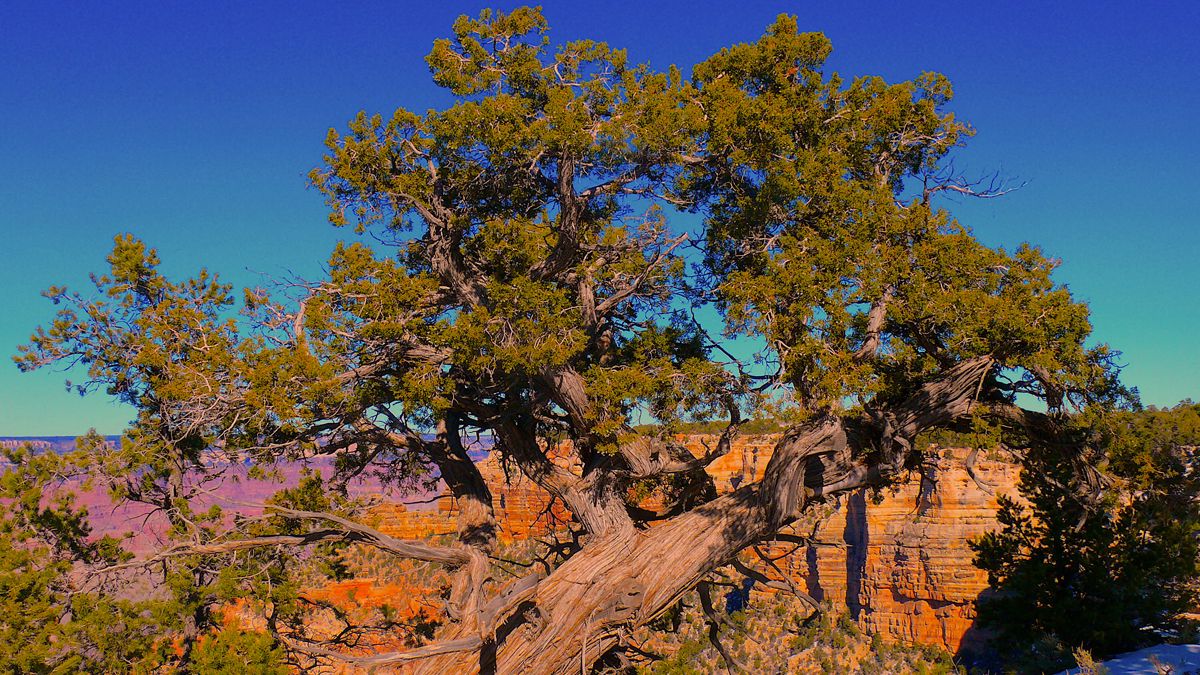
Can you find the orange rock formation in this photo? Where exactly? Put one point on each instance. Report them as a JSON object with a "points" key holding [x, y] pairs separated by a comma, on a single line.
{"points": [[902, 566], [898, 562], [522, 509]]}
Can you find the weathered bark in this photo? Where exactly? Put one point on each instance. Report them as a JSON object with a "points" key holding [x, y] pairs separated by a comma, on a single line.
{"points": [[624, 577], [582, 609], [596, 499], [875, 321]]}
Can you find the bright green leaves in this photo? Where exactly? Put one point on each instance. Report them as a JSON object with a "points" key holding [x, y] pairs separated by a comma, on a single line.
{"points": [[134, 268], [370, 167], [166, 348], [780, 59], [962, 299], [582, 109], [533, 203], [821, 236], [169, 349], [1154, 447], [39, 510], [820, 219], [50, 623], [500, 154], [528, 326], [152, 342], [371, 334], [669, 386], [234, 652], [506, 249]]}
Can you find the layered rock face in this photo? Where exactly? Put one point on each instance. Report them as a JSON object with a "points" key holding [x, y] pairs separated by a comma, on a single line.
{"points": [[898, 561], [523, 509], [900, 564]]}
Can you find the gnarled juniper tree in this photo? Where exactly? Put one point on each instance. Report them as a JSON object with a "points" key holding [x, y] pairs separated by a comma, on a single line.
{"points": [[556, 240]]}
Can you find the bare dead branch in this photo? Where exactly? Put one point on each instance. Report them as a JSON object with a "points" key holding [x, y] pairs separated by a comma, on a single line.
{"points": [[466, 644], [715, 619], [349, 531]]}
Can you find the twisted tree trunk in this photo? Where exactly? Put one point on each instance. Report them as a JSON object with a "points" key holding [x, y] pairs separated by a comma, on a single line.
{"points": [[625, 577]]}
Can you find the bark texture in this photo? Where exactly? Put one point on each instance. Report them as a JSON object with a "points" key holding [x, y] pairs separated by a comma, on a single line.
{"points": [[625, 577]]}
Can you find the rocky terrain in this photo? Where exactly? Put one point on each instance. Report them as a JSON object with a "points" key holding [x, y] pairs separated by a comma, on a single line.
{"points": [[900, 564], [896, 562]]}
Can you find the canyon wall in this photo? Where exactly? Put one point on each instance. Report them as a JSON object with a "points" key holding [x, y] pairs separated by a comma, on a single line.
{"points": [[897, 561], [900, 563], [523, 510]]}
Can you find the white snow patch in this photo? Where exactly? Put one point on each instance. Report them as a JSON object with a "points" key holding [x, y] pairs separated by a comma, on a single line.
{"points": [[1184, 659]]}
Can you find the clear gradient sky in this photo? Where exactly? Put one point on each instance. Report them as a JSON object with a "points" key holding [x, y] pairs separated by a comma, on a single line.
{"points": [[192, 125]]}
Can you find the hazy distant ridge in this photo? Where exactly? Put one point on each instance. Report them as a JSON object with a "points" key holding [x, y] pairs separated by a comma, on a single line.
{"points": [[59, 444]]}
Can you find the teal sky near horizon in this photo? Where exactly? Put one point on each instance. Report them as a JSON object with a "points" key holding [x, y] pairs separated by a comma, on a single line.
{"points": [[193, 125]]}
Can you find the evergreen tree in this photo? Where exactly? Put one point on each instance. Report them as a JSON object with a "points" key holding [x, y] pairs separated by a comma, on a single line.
{"points": [[1108, 572], [535, 285]]}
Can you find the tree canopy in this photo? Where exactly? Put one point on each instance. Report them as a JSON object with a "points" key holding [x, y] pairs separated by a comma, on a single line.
{"points": [[578, 246]]}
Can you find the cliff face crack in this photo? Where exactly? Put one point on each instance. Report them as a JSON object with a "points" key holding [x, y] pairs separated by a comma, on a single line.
{"points": [[857, 537]]}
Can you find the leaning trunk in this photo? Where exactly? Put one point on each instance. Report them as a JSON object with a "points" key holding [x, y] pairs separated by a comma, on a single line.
{"points": [[583, 609], [624, 578]]}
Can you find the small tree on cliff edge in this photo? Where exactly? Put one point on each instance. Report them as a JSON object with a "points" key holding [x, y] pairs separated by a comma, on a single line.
{"points": [[540, 287], [1108, 575]]}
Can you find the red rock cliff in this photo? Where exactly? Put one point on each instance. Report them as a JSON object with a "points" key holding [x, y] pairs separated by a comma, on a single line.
{"points": [[898, 561]]}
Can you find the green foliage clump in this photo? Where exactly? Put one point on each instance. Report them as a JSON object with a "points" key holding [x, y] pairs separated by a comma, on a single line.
{"points": [[55, 619], [234, 652], [687, 660]]}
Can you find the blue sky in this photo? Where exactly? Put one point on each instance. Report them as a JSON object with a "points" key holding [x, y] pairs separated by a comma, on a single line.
{"points": [[193, 125]]}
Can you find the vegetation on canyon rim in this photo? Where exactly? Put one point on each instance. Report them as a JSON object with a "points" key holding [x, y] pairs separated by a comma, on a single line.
{"points": [[538, 282], [1126, 561]]}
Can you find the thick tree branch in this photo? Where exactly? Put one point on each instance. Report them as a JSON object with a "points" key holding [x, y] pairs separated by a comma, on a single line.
{"points": [[830, 455], [944, 399], [875, 320], [570, 216], [647, 459], [476, 518]]}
